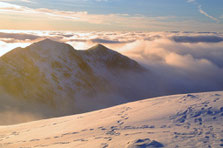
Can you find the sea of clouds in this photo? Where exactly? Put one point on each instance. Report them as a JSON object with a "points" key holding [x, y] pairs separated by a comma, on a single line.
{"points": [[186, 61]]}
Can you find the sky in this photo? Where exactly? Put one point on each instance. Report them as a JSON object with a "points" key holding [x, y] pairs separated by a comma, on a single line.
{"points": [[112, 15]]}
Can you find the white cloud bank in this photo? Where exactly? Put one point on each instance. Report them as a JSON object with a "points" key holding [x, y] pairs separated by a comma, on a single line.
{"points": [[187, 61]]}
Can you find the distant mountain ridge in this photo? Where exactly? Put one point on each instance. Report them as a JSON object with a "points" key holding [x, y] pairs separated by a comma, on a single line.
{"points": [[50, 78]]}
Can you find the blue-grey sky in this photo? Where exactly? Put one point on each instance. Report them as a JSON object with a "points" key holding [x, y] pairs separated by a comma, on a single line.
{"points": [[113, 15]]}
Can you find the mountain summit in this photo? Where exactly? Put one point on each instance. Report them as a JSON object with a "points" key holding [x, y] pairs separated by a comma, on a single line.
{"points": [[50, 78], [99, 47], [112, 59]]}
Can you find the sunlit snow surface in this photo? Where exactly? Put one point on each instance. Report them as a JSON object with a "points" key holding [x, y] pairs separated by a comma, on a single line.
{"points": [[189, 120]]}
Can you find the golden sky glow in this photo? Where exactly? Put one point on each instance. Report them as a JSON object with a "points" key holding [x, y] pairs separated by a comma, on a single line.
{"points": [[21, 17]]}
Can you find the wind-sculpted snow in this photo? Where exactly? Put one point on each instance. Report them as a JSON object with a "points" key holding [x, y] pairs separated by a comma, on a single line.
{"points": [[189, 120]]}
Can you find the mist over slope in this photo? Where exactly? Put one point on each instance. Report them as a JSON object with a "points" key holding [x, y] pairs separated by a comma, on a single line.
{"points": [[188, 120], [50, 78]]}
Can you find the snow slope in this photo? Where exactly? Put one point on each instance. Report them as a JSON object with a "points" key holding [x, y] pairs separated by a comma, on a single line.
{"points": [[189, 120]]}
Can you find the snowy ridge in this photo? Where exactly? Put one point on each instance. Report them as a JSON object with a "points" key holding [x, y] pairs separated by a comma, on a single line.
{"points": [[189, 120], [49, 78]]}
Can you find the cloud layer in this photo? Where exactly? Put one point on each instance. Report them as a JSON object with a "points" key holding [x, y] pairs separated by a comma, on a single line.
{"points": [[187, 61]]}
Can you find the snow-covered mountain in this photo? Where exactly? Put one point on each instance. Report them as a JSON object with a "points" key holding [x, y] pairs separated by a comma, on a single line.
{"points": [[49, 78], [188, 121]]}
